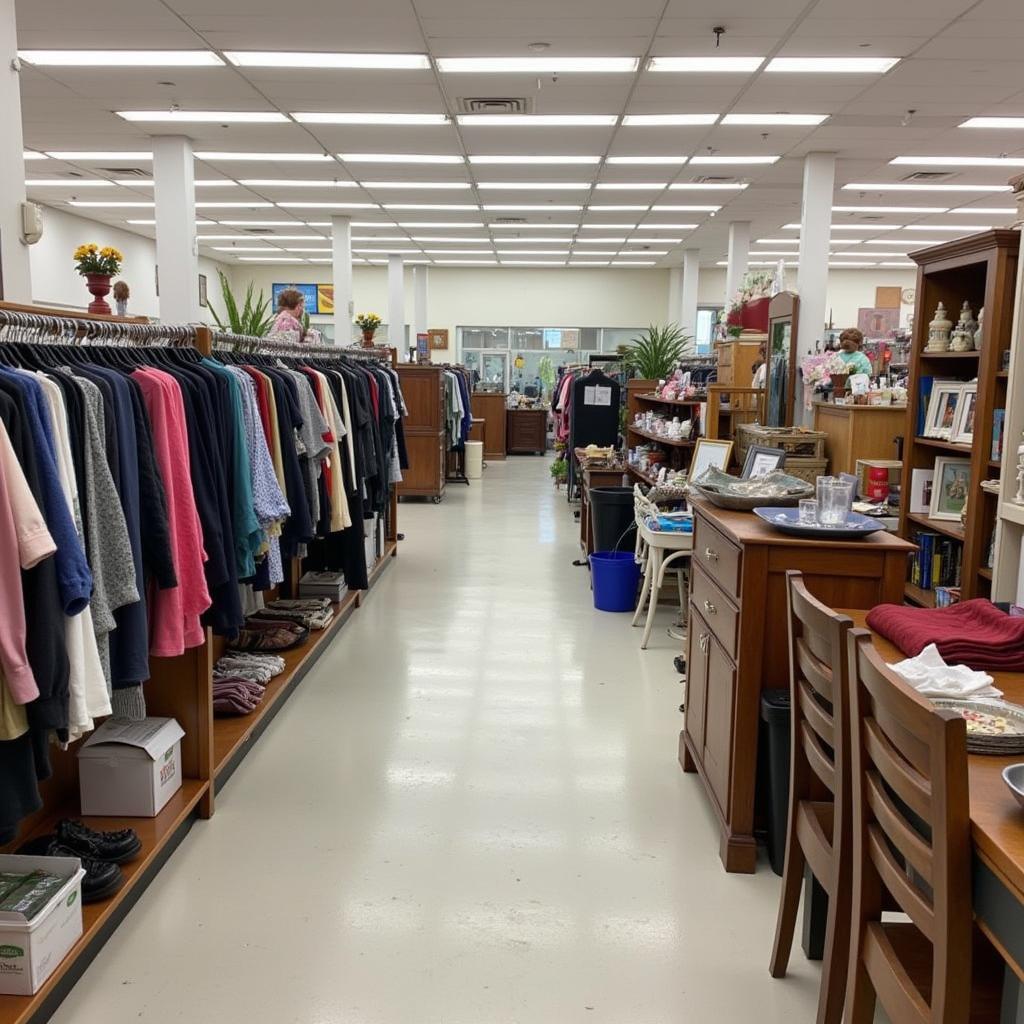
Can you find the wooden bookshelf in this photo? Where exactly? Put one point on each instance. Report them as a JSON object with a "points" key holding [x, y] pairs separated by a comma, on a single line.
{"points": [[981, 269]]}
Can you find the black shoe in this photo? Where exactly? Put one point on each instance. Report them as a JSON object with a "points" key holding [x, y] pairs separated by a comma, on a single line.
{"points": [[102, 879], [113, 847], [679, 661]]}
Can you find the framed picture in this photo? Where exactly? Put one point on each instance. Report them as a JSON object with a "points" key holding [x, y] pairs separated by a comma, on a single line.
{"points": [[921, 491], [878, 323], [309, 293], [942, 405], [438, 338], [998, 426], [709, 455], [325, 299], [202, 290], [760, 461], [963, 427], [951, 486]]}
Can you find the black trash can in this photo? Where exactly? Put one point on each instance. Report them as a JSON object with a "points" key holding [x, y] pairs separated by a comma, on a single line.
{"points": [[614, 522], [775, 745]]}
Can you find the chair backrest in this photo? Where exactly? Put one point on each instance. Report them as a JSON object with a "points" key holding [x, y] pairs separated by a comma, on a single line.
{"points": [[819, 695], [911, 836]]}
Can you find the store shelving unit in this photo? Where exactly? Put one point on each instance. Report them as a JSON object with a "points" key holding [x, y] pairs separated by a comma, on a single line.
{"points": [[640, 398], [982, 269]]}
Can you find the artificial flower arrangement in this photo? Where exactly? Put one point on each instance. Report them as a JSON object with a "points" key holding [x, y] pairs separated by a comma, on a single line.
{"points": [[91, 259], [819, 367], [367, 321]]}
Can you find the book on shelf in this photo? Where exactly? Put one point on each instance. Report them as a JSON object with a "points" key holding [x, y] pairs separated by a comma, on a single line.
{"points": [[998, 426], [938, 561]]}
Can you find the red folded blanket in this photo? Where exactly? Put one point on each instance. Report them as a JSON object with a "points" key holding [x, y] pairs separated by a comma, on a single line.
{"points": [[974, 633]]}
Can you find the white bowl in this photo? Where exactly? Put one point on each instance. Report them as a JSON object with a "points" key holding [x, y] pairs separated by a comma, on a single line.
{"points": [[1013, 776]]}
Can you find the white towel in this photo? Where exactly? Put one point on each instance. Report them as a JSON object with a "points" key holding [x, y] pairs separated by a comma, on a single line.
{"points": [[932, 677]]}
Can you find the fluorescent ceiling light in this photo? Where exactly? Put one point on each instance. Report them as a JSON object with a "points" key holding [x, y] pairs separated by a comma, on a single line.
{"points": [[430, 206], [356, 61], [379, 238], [271, 259], [68, 183], [650, 120], [259, 223], [416, 184], [536, 239], [723, 64], [901, 186], [537, 65], [442, 238], [947, 227], [865, 252], [602, 240], [734, 160], [634, 263], [88, 156], [396, 252], [247, 238], [112, 204], [416, 224], [959, 161], [865, 227], [668, 227], [399, 158], [317, 259], [637, 186], [199, 182], [467, 263], [993, 122], [199, 223], [205, 116], [598, 252], [643, 208], [705, 186], [848, 265], [295, 183], [588, 263], [889, 209], [550, 226], [240, 248], [31, 154], [459, 252], [994, 211], [522, 207], [607, 227], [327, 117], [533, 263], [271, 157], [121, 58], [833, 65], [637, 160], [641, 240], [522, 159], [773, 252], [665, 208], [898, 263], [779, 120], [537, 120], [329, 206], [536, 186], [242, 205]]}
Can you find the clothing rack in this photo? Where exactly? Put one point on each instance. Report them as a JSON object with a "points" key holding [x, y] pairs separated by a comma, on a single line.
{"points": [[179, 687]]}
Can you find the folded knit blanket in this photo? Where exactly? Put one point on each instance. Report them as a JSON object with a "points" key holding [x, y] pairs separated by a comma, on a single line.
{"points": [[974, 633]]}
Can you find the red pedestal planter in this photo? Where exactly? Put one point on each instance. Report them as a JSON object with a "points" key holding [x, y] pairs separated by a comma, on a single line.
{"points": [[754, 315], [99, 288]]}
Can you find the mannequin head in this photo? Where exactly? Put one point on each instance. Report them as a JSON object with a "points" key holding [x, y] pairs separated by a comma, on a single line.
{"points": [[851, 340], [121, 292]]}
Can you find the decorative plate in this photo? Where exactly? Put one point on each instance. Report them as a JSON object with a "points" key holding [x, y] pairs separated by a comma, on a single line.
{"points": [[993, 726], [908, 295], [787, 520]]}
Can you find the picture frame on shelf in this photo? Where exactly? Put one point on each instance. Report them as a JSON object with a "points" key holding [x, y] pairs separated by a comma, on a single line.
{"points": [[708, 454], [942, 406], [963, 426], [998, 428], [761, 460], [950, 488], [921, 491]]}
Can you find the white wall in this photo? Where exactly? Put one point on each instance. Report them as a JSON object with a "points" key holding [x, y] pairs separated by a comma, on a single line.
{"points": [[56, 283]]}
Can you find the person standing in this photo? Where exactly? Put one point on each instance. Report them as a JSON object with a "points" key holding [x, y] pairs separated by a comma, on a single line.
{"points": [[291, 305], [121, 296]]}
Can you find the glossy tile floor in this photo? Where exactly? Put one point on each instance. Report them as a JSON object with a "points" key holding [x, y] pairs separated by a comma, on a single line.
{"points": [[470, 812]]}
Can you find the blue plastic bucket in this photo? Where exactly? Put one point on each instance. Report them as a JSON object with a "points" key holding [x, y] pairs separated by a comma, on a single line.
{"points": [[615, 576]]}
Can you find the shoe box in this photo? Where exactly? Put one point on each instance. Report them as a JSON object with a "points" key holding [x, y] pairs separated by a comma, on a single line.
{"points": [[323, 584]]}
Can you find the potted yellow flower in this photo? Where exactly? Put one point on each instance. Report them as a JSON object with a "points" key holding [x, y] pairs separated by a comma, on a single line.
{"points": [[368, 324], [98, 266]]}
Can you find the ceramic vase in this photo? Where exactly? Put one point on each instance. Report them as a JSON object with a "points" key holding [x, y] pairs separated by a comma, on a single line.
{"points": [[839, 384], [99, 288], [961, 339], [938, 331], [368, 337], [979, 333]]}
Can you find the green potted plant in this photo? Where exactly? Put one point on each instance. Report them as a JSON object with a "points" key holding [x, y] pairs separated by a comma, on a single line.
{"points": [[559, 471], [98, 266], [657, 352], [368, 324], [252, 319]]}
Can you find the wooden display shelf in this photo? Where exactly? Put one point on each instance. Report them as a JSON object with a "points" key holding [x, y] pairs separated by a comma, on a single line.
{"points": [[985, 572], [390, 551], [655, 399], [663, 440], [946, 446], [946, 527], [234, 735], [973, 354], [160, 836], [916, 595], [641, 475]]}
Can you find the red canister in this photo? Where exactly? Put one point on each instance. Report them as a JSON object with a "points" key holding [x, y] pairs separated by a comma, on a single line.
{"points": [[878, 483]]}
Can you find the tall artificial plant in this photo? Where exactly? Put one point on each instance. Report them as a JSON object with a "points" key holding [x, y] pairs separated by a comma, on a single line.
{"points": [[657, 352], [254, 318]]}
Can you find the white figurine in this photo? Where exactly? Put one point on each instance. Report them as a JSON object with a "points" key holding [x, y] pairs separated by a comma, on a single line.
{"points": [[1019, 497]]}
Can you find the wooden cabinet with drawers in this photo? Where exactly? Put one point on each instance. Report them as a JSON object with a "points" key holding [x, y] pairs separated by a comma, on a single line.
{"points": [[527, 431], [736, 359], [425, 441], [738, 644]]}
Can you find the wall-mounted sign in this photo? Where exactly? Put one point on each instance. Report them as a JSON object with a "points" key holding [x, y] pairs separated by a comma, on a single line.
{"points": [[325, 299], [308, 290]]}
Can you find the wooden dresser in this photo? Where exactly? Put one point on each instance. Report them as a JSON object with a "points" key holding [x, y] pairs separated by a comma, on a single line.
{"points": [[859, 432], [490, 406], [736, 359], [738, 643], [423, 390], [527, 431]]}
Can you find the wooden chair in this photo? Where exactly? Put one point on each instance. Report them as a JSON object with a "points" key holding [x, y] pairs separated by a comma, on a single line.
{"points": [[911, 844], [818, 831]]}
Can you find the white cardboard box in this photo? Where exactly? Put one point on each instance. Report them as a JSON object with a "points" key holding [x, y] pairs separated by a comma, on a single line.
{"points": [[130, 769], [31, 950]]}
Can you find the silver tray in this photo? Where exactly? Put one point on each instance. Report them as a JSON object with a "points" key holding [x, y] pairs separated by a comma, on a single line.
{"points": [[1011, 742], [720, 489]]}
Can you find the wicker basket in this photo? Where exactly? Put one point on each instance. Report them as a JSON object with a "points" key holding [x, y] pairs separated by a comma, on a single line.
{"points": [[806, 469], [796, 442]]}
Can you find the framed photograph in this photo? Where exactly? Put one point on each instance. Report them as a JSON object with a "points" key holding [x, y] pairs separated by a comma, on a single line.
{"points": [[951, 486], [761, 461], [998, 426], [942, 406], [709, 455], [878, 323], [202, 291], [963, 427], [921, 491]]}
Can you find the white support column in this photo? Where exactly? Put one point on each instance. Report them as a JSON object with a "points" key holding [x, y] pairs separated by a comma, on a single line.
{"points": [[688, 293], [16, 283], [396, 303], [341, 239], [739, 255], [815, 227], [177, 253], [420, 321], [675, 288]]}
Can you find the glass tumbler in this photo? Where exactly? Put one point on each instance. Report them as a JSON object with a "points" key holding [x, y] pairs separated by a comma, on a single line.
{"points": [[808, 511]]}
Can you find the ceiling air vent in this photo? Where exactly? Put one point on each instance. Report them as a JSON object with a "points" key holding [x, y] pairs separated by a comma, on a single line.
{"points": [[715, 179], [126, 172], [509, 220], [258, 231], [929, 176], [495, 105]]}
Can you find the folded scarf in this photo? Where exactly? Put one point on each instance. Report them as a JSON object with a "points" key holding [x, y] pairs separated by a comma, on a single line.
{"points": [[974, 633]]}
